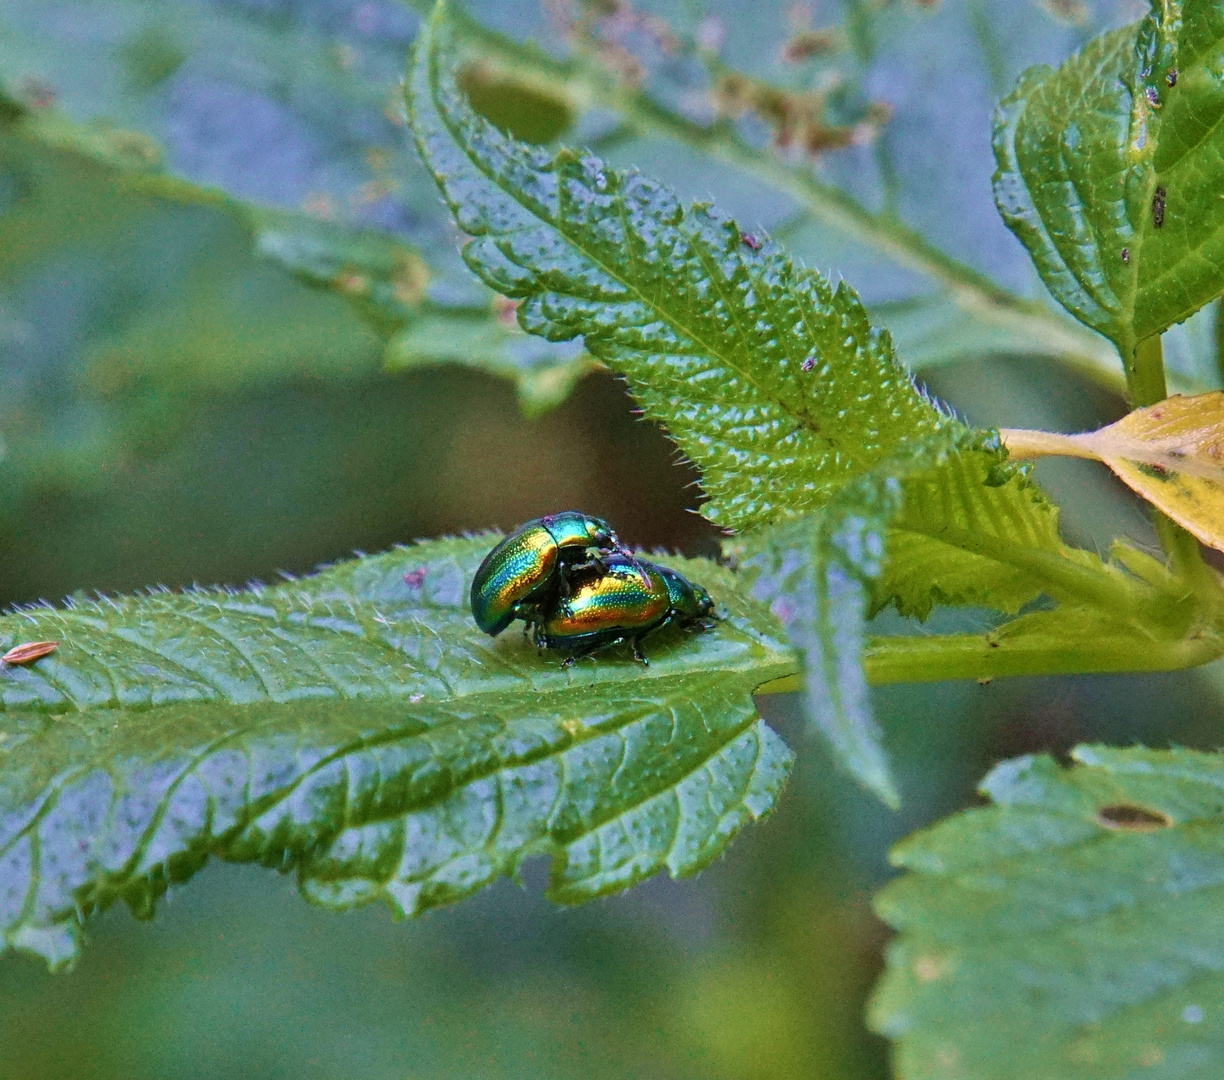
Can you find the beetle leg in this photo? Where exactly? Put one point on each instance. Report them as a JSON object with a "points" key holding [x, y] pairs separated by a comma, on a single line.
{"points": [[637, 652]]}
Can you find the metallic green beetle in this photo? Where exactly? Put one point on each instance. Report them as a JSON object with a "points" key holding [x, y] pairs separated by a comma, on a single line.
{"points": [[611, 605], [534, 561]]}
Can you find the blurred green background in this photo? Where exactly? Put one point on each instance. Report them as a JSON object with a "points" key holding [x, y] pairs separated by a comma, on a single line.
{"points": [[175, 408]]}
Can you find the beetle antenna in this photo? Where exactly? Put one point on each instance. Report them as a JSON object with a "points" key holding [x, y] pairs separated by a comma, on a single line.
{"points": [[636, 565]]}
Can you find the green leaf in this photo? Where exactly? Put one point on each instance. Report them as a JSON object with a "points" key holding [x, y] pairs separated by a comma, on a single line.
{"points": [[949, 522], [1072, 929], [771, 381], [1107, 172], [357, 728], [814, 573], [821, 574], [914, 247]]}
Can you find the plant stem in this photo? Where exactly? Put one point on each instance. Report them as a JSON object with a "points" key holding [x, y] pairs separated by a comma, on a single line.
{"points": [[980, 656], [1145, 375], [941, 657]]}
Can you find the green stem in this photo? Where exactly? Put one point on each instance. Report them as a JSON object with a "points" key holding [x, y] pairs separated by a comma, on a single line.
{"points": [[1219, 337], [979, 656], [943, 657], [1145, 374]]}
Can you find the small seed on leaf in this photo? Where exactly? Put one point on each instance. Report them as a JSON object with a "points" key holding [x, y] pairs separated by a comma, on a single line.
{"points": [[1129, 818], [28, 652]]}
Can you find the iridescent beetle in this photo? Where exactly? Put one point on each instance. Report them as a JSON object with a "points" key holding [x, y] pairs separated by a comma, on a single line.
{"points": [[611, 604], [533, 562]]}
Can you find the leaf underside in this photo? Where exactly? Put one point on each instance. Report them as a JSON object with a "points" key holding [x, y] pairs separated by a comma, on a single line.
{"points": [[356, 727], [1072, 929]]}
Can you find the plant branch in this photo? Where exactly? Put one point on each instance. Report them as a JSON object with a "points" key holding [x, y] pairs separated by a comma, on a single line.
{"points": [[941, 657]]}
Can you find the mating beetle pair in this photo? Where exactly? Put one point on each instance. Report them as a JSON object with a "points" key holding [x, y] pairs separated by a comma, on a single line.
{"points": [[568, 577]]}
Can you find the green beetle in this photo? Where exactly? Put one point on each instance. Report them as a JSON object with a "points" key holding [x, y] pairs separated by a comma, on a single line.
{"points": [[534, 562], [613, 604]]}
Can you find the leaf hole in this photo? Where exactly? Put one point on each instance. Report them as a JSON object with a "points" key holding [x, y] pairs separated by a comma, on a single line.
{"points": [[1131, 818]]}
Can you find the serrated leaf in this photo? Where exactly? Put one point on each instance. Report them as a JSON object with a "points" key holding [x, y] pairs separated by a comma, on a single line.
{"points": [[1107, 172], [357, 728], [1072, 929], [920, 182], [815, 577], [772, 382], [946, 522]]}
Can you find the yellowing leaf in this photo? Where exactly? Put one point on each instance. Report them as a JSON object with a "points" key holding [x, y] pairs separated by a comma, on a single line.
{"points": [[1171, 453]]}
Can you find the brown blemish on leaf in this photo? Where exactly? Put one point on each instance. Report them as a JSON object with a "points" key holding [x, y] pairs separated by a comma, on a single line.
{"points": [[28, 652], [1126, 817], [1154, 470]]}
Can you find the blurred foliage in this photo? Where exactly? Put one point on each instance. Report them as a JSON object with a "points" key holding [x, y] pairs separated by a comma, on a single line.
{"points": [[174, 406]]}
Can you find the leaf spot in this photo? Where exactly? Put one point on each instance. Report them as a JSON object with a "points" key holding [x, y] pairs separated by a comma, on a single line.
{"points": [[1158, 206], [1130, 818], [1155, 470]]}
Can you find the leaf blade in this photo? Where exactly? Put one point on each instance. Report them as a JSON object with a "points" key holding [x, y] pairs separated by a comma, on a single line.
{"points": [[357, 728], [752, 363], [1100, 173], [1064, 930]]}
